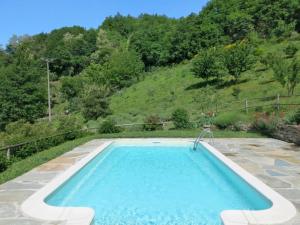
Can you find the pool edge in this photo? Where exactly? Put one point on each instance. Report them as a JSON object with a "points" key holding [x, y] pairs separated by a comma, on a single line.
{"points": [[35, 207], [282, 210]]}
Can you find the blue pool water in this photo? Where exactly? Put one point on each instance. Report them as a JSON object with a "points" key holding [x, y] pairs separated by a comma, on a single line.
{"points": [[157, 185]]}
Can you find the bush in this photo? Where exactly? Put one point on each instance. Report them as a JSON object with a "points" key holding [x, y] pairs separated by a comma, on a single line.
{"points": [[152, 123], [291, 50], [108, 127], [297, 117], [71, 125], [3, 163], [265, 123], [95, 104], [41, 135], [236, 92], [181, 119], [225, 120], [293, 117]]}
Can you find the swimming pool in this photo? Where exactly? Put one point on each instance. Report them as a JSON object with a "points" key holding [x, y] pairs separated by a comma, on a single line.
{"points": [[158, 183]]}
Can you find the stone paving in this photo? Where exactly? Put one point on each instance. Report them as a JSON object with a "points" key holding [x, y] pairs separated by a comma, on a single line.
{"points": [[275, 162]]}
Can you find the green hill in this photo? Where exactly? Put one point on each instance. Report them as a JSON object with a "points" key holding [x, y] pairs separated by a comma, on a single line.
{"points": [[165, 89]]}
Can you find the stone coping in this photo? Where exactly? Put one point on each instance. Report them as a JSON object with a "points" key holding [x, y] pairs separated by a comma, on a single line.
{"points": [[275, 162], [281, 211]]}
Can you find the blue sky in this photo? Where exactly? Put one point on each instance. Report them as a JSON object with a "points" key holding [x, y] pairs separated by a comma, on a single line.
{"points": [[35, 16]]}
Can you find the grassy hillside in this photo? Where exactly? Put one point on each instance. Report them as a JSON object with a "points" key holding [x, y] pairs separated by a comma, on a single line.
{"points": [[166, 89]]}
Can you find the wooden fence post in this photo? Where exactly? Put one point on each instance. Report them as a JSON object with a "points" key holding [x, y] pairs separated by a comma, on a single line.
{"points": [[278, 102], [246, 106], [8, 154]]}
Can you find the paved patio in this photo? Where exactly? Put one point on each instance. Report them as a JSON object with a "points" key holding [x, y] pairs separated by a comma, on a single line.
{"points": [[275, 162]]}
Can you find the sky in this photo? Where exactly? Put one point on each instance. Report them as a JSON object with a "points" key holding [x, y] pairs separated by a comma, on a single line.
{"points": [[31, 17]]}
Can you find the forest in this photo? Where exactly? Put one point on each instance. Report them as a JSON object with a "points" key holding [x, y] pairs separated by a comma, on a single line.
{"points": [[89, 68]]}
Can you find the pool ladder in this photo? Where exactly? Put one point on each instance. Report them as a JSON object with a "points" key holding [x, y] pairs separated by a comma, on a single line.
{"points": [[205, 133]]}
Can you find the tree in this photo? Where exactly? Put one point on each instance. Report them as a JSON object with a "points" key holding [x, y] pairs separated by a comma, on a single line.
{"points": [[238, 25], [152, 39], [95, 74], [95, 103], [71, 48], [238, 59], [287, 73], [207, 64], [123, 69], [71, 87], [23, 89], [105, 48]]}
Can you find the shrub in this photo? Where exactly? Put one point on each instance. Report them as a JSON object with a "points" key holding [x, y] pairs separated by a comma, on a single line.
{"points": [[225, 120], [293, 117], [266, 60], [181, 119], [297, 117], [71, 125], [236, 92], [152, 123], [3, 163], [265, 123], [258, 109], [95, 103], [41, 135], [108, 127], [71, 87], [290, 50]]}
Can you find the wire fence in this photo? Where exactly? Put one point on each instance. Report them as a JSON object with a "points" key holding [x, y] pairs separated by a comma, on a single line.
{"points": [[274, 101], [276, 105]]}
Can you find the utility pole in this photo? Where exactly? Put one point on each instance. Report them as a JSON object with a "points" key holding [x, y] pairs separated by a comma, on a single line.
{"points": [[48, 82]]}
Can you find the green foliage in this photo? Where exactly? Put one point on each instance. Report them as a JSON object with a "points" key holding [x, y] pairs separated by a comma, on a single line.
{"points": [[238, 25], [109, 127], [20, 167], [71, 87], [265, 123], [40, 136], [94, 74], [236, 92], [22, 131], [181, 119], [291, 50], [70, 47], [297, 117], [123, 69], [152, 123], [113, 57], [95, 103], [23, 89], [287, 73], [266, 60], [238, 59], [3, 163], [152, 39], [207, 64], [105, 48], [230, 119], [293, 117], [71, 126], [284, 30]]}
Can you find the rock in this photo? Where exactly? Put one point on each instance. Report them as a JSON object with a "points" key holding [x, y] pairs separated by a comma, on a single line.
{"points": [[288, 133]]}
